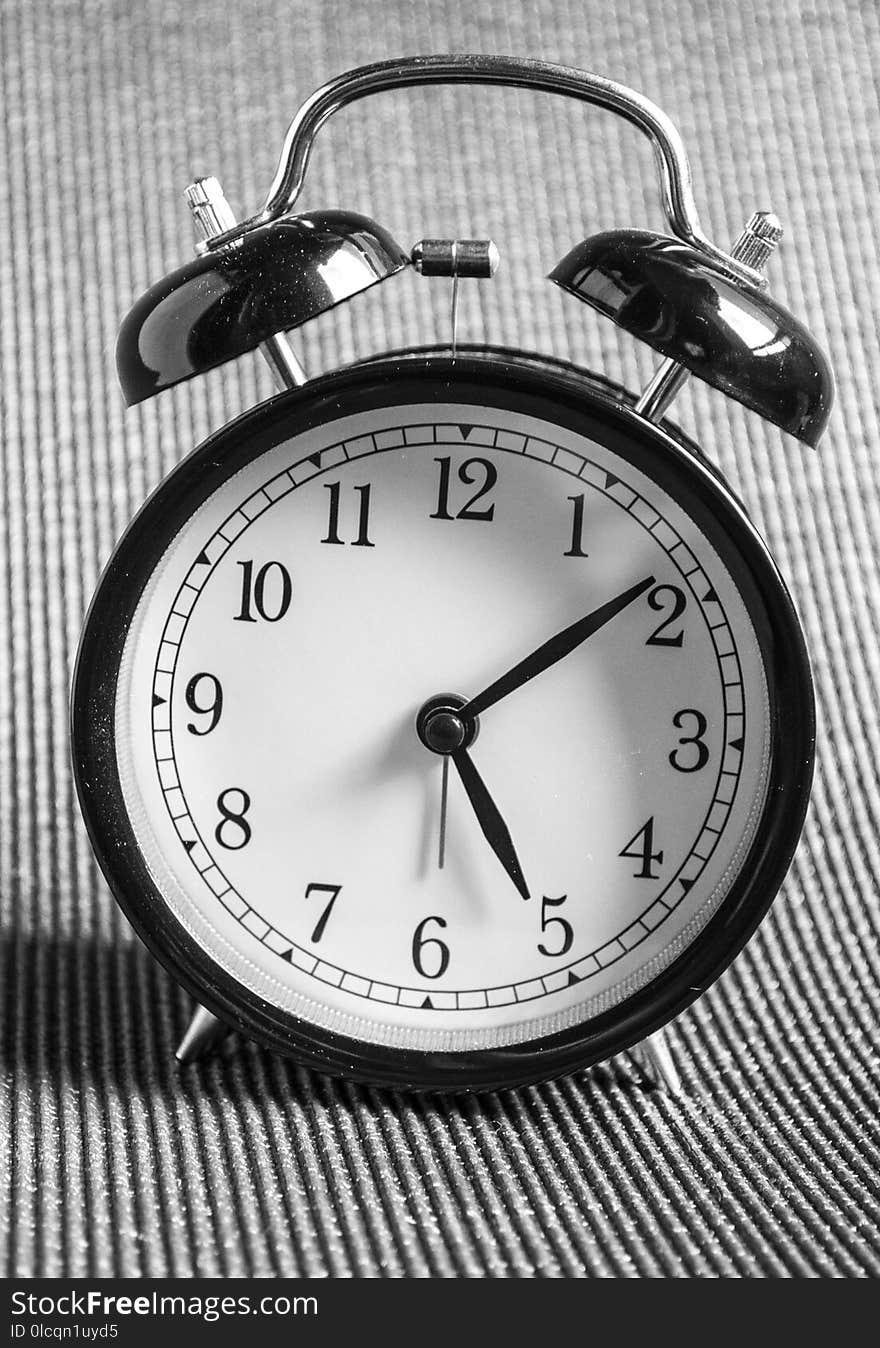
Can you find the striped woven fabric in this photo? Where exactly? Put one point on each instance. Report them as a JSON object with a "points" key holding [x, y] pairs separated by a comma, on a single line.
{"points": [[119, 1162]]}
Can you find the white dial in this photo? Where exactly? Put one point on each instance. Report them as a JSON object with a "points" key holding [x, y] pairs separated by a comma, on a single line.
{"points": [[288, 809]]}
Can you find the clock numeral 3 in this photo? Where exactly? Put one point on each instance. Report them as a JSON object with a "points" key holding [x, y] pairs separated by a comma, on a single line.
{"points": [[233, 832], [643, 852], [687, 762], [420, 943], [333, 891], [363, 539], [566, 934], [470, 472], [658, 604], [271, 606], [213, 708]]}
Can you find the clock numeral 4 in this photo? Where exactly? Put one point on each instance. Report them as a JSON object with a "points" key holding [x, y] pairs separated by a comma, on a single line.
{"points": [[213, 707], [268, 592], [565, 934], [640, 848], [687, 761], [363, 538], [479, 473], [233, 832], [661, 598], [334, 892], [420, 943]]}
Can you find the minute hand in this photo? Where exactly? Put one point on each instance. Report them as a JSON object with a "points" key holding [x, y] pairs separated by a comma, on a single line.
{"points": [[555, 649]]}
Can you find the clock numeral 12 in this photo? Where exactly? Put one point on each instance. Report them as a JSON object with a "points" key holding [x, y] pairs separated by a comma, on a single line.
{"points": [[469, 473], [363, 539]]}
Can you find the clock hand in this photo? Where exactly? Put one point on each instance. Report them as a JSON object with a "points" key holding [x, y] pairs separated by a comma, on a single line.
{"points": [[555, 649], [490, 821], [444, 799]]}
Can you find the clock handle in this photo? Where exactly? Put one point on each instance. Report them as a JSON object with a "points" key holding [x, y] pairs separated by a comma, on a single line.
{"points": [[514, 71]]}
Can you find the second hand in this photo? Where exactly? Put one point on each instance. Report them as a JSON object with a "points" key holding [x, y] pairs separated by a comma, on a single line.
{"points": [[444, 796]]}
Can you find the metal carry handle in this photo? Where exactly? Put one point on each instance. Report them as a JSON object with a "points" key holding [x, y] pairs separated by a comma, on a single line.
{"points": [[514, 71]]}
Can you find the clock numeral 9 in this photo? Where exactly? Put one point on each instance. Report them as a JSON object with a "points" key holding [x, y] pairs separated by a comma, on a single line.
{"points": [[643, 853], [469, 473], [233, 832], [213, 708], [420, 943], [271, 607], [658, 603], [688, 762], [565, 935]]}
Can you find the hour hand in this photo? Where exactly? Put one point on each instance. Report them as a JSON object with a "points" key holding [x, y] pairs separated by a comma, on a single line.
{"points": [[488, 817]]}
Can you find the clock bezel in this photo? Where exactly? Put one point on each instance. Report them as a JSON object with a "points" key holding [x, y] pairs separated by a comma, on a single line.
{"points": [[582, 402]]}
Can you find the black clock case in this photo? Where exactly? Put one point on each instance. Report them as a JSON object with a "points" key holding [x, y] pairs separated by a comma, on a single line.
{"points": [[572, 397]]}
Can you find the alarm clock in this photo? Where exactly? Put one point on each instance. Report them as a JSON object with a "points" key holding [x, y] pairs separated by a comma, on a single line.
{"points": [[443, 721]]}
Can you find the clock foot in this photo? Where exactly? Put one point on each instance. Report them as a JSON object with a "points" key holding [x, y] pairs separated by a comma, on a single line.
{"points": [[655, 1060], [202, 1033]]}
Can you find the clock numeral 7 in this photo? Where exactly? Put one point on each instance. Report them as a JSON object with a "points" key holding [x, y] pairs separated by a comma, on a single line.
{"points": [[334, 892], [470, 472]]}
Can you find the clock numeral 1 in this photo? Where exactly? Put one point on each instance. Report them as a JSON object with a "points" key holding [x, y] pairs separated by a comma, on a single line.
{"points": [[566, 934], [577, 528], [333, 891], [420, 943], [213, 708], [254, 592], [470, 472], [642, 851], [363, 539], [233, 832], [680, 761]]}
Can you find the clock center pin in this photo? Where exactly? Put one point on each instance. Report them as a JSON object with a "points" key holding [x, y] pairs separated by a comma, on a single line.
{"points": [[440, 726]]}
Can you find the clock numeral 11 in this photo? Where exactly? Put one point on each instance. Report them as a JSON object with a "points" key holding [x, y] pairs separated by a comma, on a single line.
{"points": [[363, 538]]}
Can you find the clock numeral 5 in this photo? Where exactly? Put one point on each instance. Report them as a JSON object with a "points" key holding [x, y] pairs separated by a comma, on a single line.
{"points": [[420, 943], [233, 832], [269, 592], [470, 472], [566, 933], [362, 540], [214, 707], [643, 852]]}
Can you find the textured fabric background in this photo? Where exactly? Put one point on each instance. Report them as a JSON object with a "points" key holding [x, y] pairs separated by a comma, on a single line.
{"points": [[119, 1162]]}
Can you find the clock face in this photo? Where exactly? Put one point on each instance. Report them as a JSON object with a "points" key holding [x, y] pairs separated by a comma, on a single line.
{"points": [[441, 725]]}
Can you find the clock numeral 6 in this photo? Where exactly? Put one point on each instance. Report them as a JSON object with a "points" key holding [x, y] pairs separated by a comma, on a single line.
{"points": [[470, 472], [565, 936], [643, 852], [690, 762], [269, 591], [420, 943], [658, 602], [212, 708], [233, 832]]}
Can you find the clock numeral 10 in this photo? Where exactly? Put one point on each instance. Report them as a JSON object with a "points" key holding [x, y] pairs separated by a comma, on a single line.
{"points": [[642, 851], [268, 592], [420, 943], [363, 539], [470, 473]]}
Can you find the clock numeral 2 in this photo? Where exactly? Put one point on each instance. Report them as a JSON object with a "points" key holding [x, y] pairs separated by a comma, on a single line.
{"points": [[233, 821], [696, 739], [469, 473], [333, 891], [253, 592], [658, 604], [566, 934], [213, 709], [363, 539], [643, 852]]}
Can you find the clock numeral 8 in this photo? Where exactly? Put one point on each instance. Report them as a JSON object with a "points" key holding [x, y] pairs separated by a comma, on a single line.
{"points": [[680, 762], [420, 942], [233, 821]]}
